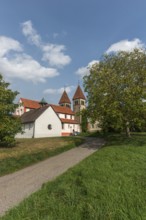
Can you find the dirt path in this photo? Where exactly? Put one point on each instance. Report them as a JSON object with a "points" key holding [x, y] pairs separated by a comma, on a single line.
{"points": [[19, 185]]}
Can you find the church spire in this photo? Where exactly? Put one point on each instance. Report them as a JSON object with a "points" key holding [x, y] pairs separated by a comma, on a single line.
{"points": [[79, 94], [64, 100], [43, 102]]}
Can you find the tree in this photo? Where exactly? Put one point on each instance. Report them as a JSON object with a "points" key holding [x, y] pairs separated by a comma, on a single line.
{"points": [[9, 125], [84, 121], [116, 90]]}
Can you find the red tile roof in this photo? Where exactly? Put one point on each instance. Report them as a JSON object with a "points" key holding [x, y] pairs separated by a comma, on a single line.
{"points": [[30, 103], [68, 121], [62, 109], [64, 98], [79, 94]]}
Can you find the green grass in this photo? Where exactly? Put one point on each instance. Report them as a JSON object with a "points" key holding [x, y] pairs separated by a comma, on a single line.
{"points": [[109, 185], [31, 151]]}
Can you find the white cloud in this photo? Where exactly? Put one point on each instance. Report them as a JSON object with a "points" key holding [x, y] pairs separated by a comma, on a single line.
{"points": [[55, 56], [125, 45], [68, 89], [20, 65], [8, 44], [83, 71], [31, 33], [52, 53], [15, 63]]}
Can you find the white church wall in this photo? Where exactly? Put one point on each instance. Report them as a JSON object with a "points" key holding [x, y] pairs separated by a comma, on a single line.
{"points": [[28, 130], [69, 129], [48, 117]]}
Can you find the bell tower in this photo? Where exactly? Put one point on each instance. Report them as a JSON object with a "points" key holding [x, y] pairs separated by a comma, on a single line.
{"points": [[64, 100], [78, 103]]}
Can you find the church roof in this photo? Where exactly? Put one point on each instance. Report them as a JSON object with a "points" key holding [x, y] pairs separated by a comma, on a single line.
{"points": [[30, 103], [64, 98], [79, 94], [69, 121], [62, 109], [32, 115]]}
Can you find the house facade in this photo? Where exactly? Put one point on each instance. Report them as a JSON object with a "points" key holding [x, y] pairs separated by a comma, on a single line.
{"points": [[26, 105]]}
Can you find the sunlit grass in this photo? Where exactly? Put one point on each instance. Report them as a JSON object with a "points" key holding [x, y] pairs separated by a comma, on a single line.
{"points": [[109, 185], [30, 151]]}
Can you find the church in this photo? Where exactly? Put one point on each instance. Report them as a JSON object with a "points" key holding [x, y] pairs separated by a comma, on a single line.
{"points": [[40, 119]]}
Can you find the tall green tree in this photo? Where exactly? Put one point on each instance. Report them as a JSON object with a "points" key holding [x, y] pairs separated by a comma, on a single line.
{"points": [[84, 121], [9, 125], [116, 90]]}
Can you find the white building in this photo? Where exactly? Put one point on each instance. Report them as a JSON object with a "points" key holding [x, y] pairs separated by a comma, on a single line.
{"points": [[42, 120], [48, 121], [26, 105]]}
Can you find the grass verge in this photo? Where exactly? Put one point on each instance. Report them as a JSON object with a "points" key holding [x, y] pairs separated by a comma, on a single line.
{"points": [[109, 185], [30, 151]]}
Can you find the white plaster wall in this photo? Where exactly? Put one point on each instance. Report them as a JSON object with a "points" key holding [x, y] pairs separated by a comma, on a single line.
{"points": [[68, 128], [93, 127], [61, 115], [68, 116], [19, 110], [77, 128], [28, 131], [41, 124]]}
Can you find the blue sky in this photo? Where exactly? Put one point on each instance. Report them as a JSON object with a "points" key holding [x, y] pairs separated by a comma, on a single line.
{"points": [[46, 45]]}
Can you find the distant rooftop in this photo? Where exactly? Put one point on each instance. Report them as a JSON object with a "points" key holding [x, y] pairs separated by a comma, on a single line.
{"points": [[79, 94], [64, 98], [30, 103]]}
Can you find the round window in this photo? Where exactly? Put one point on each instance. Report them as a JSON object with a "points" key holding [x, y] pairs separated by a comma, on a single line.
{"points": [[49, 126]]}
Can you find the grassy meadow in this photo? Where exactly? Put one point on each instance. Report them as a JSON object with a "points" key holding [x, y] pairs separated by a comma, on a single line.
{"points": [[30, 151], [109, 185]]}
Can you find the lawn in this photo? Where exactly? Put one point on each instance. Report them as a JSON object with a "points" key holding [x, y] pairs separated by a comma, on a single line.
{"points": [[30, 151], [109, 185]]}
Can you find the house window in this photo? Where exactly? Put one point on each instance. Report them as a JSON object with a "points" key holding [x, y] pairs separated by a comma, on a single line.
{"points": [[62, 125], [65, 116]]}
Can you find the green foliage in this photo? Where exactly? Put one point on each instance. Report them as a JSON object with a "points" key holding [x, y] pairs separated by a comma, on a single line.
{"points": [[84, 122], [116, 90], [9, 125]]}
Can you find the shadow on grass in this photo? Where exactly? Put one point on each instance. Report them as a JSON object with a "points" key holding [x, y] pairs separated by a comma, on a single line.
{"points": [[136, 139]]}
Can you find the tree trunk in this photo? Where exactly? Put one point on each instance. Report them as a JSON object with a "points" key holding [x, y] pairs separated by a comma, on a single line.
{"points": [[128, 130]]}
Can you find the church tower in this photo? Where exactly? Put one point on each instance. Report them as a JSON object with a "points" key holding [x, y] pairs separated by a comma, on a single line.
{"points": [[64, 100], [78, 103]]}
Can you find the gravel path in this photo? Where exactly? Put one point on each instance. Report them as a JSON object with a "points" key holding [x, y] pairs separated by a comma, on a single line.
{"points": [[19, 185]]}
